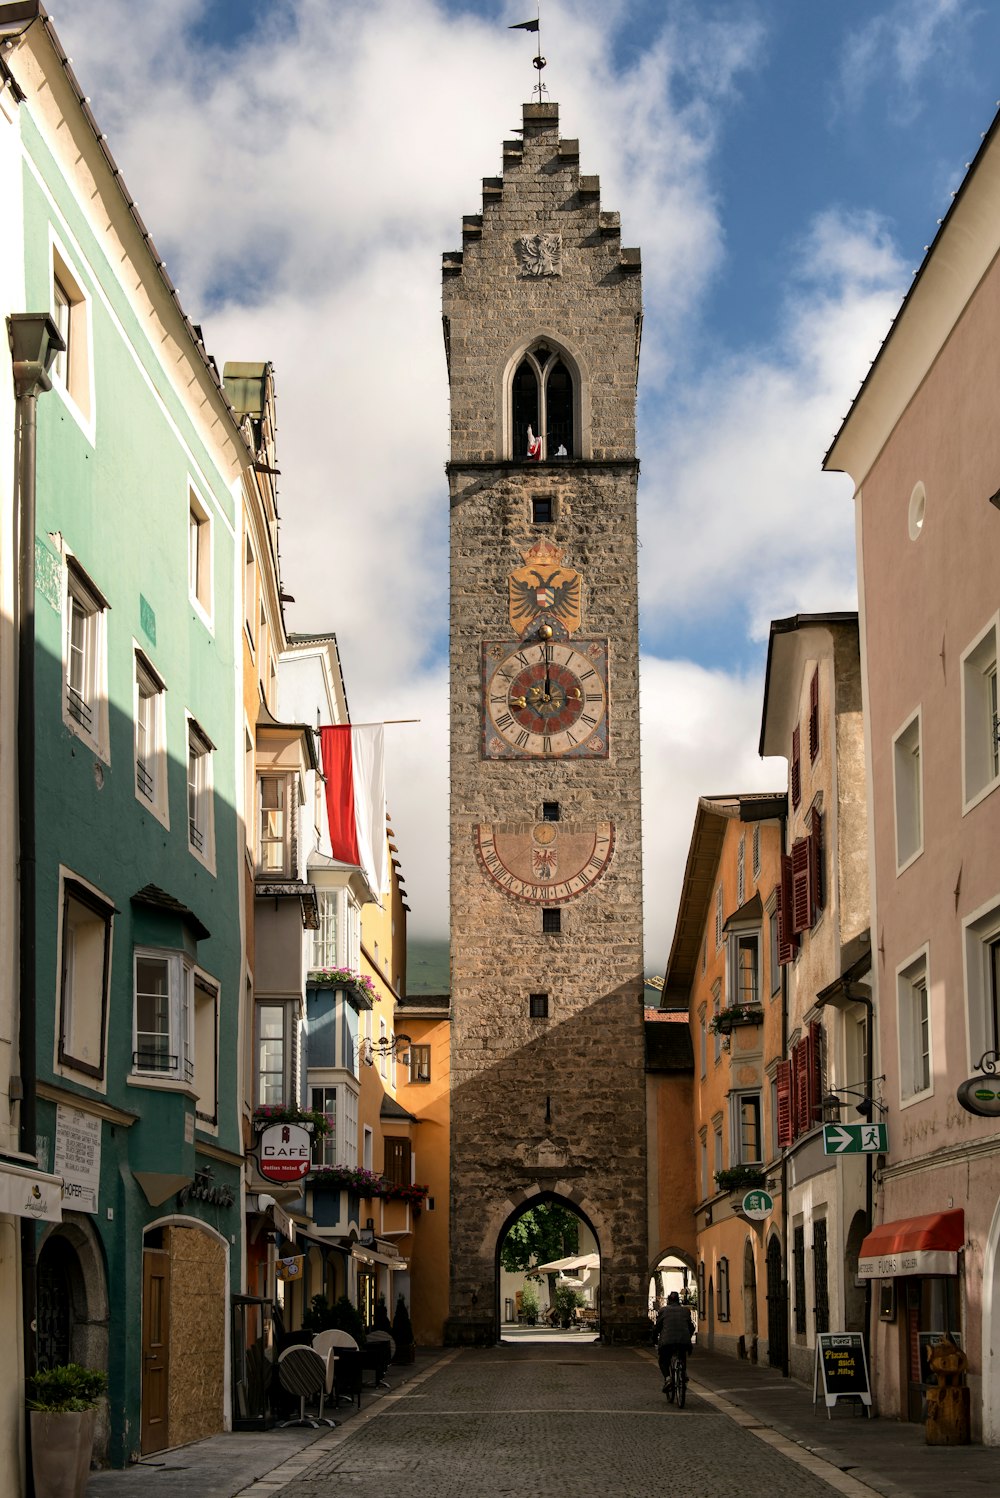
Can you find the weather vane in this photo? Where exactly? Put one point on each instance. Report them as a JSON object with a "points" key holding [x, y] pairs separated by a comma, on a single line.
{"points": [[538, 61]]}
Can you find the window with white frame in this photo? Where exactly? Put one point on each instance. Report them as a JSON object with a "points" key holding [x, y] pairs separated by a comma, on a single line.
{"points": [[201, 812], [324, 1100], [741, 869], [206, 1049], [199, 554], [353, 934], [276, 836], [980, 722], [748, 1142], [85, 970], [275, 1025], [718, 918], [162, 1030], [325, 951], [72, 372], [914, 1020], [982, 980], [349, 1152], [744, 967], [755, 856], [85, 706], [908, 792], [150, 736]]}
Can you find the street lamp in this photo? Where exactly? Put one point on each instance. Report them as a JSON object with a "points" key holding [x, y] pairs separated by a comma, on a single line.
{"points": [[386, 1047], [34, 343]]}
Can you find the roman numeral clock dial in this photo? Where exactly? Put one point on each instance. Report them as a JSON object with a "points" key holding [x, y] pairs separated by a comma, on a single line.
{"points": [[545, 699]]}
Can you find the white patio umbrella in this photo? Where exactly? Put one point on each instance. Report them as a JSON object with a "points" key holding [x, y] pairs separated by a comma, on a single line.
{"points": [[572, 1261]]}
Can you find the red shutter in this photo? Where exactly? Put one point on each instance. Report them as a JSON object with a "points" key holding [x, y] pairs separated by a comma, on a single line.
{"points": [[801, 1058], [786, 1122], [802, 900], [796, 766], [788, 942], [814, 715], [816, 871], [815, 1073]]}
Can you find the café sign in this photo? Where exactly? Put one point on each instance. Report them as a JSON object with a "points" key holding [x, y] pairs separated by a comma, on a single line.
{"points": [[284, 1152]]}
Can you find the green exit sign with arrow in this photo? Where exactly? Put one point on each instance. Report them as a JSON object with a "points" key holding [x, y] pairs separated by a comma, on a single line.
{"points": [[855, 1139]]}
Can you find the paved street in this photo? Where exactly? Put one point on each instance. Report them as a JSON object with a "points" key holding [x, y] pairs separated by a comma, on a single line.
{"points": [[572, 1419]]}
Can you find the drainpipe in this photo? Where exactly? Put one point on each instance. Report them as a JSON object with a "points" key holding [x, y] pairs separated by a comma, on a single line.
{"points": [[34, 342], [786, 1367]]}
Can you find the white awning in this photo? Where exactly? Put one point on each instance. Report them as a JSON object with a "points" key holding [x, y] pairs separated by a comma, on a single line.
{"points": [[372, 1256], [30, 1193]]}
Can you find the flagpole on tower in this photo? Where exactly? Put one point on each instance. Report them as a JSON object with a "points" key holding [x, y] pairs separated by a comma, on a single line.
{"points": [[538, 61]]}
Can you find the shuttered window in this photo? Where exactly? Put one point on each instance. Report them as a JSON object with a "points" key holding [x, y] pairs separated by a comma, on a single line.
{"points": [[816, 871], [806, 1080], [788, 942], [397, 1162], [814, 715], [796, 768], [785, 1104], [802, 900]]}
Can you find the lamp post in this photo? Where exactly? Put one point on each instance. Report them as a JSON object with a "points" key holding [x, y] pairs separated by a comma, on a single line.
{"points": [[34, 343]]}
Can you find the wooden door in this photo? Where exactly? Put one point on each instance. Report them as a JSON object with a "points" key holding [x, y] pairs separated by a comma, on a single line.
{"points": [[155, 1370]]}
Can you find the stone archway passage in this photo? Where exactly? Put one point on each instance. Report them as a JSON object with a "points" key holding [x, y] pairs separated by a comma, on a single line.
{"points": [[551, 1234]]}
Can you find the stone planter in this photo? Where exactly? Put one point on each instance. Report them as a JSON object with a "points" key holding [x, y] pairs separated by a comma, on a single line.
{"points": [[61, 1447]]}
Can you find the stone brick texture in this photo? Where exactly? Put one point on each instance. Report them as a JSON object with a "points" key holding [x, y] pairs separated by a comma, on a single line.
{"points": [[545, 1106]]}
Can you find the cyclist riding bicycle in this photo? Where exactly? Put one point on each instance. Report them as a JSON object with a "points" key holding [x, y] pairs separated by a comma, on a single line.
{"points": [[674, 1330]]}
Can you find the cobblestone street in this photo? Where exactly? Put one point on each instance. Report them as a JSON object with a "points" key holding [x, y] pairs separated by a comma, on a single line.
{"points": [[564, 1420]]}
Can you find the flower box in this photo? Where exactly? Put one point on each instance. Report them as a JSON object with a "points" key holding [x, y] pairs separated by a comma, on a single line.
{"points": [[736, 1016], [740, 1178]]}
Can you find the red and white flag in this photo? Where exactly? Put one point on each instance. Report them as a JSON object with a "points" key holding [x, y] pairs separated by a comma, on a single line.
{"points": [[354, 766], [534, 447]]}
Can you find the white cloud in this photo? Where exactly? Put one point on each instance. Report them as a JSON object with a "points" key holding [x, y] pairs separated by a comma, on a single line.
{"points": [[894, 50]]}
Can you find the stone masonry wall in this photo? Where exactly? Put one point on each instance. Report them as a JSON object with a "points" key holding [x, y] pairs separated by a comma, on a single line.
{"points": [[557, 1105]]}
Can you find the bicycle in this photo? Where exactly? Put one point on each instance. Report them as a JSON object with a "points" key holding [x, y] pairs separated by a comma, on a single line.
{"points": [[676, 1382]]}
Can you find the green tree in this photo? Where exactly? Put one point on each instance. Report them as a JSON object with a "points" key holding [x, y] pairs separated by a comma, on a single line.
{"points": [[538, 1236]]}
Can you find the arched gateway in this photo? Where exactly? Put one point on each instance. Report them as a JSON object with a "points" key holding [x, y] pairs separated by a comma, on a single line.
{"points": [[542, 311]]}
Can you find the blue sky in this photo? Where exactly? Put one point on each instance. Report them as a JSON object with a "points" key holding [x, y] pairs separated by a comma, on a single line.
{"points": [[302, 165]]}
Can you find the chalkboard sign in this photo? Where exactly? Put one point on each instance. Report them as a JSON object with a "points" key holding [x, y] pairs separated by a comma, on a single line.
{"points": [[842, 1368]]}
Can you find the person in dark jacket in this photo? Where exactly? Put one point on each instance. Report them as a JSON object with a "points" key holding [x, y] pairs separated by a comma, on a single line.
{"points": [[674, 1330]]}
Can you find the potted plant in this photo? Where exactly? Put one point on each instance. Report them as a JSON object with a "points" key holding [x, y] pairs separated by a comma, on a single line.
{"points": [[529, 1304], [736, 1015], [63, 1403], [402, 1332], [567, 1300]]}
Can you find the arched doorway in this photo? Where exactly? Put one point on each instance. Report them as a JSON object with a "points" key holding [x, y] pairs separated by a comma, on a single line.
{"points": [[854, 1289], [777, 1306], [750, 1300], [548, 1271], [673, 1269], [73, 1310]]}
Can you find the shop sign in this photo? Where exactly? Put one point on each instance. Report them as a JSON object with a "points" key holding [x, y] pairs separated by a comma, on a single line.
{"points": [[980, 1095], [284, 1152], [908, 1261], [841, 1369], [757, 1205]]}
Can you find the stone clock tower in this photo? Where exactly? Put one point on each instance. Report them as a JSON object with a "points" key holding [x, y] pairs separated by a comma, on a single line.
{"points": [[542, 315]]}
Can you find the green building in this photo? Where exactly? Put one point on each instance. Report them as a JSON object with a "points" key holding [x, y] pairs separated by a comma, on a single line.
{"points": [[139, 789]]}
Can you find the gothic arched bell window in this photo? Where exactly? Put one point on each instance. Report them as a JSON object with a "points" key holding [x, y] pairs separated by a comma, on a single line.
{"points": [[542, 403]]}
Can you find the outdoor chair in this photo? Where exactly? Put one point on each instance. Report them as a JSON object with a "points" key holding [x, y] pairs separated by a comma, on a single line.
{"points": [[347, 1375], [304, 1372], [378, 1352]]}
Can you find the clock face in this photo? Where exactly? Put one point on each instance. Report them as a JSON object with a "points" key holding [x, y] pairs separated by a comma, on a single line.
{"points": [[544, 863], [546, 698]]}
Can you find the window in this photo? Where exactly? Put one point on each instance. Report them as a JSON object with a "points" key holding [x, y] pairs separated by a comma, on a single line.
{"points": [[541, 509], [702, 1041], [353, 935], [775, 962], [702, 1302], [199, 554], [814, 715], [277, 853], [756, 851], [915, 1068], [367, 1149], [542, 404], [980, 721], [718, 918], [249, 788], [982, 981], [201, 818], [249, 593], [722, 1304], [206, 1049], [703, 1153], [325, 935], [796, 766], [744, 967], [324, 1100], [85, 703], [908, 792], [349, 1145], [799, 1279], [72, 373], [538, 1006], [150, 736], [552, 919], [550, 811], [741, 870], [275, 1045], [85, 971], [717, 1146], [163, 984], [397, 1169], [747, 1136], [716, 1007], [420, 1063]]}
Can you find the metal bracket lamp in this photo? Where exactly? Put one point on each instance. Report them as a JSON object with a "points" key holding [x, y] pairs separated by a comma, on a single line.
{"points": [[386, 1047], [832, 1102]]}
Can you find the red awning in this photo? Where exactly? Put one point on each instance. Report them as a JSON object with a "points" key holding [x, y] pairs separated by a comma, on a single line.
{"points": [[914, 1245]]}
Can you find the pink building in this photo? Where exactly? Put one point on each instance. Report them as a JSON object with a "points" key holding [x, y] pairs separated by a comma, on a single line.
{"points": [[922, 445]]}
